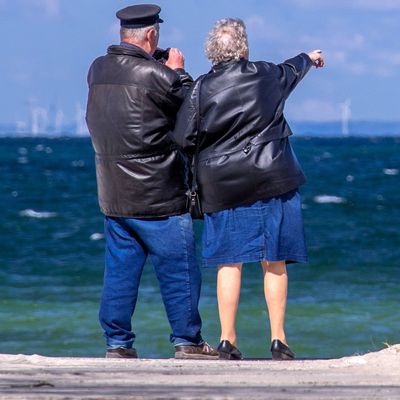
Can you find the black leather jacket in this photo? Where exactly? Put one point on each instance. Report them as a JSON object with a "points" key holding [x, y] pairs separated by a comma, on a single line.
{"points": [[245, 154], [132, 105]]}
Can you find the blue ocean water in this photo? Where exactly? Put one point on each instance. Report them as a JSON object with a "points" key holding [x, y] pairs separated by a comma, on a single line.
{"points": [[344, 301]]}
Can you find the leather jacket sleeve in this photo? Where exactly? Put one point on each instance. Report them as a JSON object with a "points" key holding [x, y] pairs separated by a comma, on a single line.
{"points": [[186, 79], [178, 90], [292, 71], [185, 131], [288, 74]]}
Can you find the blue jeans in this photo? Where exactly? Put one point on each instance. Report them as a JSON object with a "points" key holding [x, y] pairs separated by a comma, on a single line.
{"points": [[169, 243]]}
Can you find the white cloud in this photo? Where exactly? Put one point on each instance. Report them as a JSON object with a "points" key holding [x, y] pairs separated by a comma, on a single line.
{"points": [[357, 68], [50, 7], [348, 52], [387, 58], [259, 28], [357, 40], [395, 58], [22, 77], [343, 60], [308, 3], [313, 110], [113, 31], [385, 63], [384, 72], [345, 41], [337, 56], [171, 37], [380, 5], [255, 23], [345, 51]]}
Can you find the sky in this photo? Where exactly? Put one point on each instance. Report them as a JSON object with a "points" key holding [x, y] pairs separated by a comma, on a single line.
{"points": [[48, 46]]}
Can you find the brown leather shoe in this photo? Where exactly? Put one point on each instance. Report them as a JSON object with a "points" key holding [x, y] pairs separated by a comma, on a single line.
{"points": [[121, 352], [200, 352]]}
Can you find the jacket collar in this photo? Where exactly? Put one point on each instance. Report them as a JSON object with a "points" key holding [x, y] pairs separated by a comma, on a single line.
{"points": [[225, 64], [130, 50]]}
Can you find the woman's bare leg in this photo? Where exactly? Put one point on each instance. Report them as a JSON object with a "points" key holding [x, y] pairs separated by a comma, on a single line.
{"points": [[275, 290], [228, 293]]}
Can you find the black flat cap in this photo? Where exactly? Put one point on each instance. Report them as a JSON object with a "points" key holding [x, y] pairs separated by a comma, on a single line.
{"points": [[139, 16]]}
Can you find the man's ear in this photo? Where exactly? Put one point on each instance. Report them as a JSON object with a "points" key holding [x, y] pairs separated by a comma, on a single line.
{"points": [[151, 35]]}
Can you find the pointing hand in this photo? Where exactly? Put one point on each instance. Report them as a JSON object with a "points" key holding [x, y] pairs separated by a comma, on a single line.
{"points": [[317, 58]]}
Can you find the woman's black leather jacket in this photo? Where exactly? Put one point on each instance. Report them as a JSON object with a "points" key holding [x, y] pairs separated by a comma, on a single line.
{"points": [[132, 106], [245, 154]]}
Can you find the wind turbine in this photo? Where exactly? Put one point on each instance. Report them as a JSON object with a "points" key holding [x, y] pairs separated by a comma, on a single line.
{"points": [[346, 114]]}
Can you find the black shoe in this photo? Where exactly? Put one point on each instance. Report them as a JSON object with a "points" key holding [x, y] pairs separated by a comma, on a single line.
{"points": [[280, 351], [196, 352], [228, 351], [121, 352]]}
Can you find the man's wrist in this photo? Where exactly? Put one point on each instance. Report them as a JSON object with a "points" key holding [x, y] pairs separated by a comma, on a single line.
{"points": [[308, 58]]}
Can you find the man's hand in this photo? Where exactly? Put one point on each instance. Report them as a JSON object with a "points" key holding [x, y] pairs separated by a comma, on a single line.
{"points": [[317, 58], [176, 59]]}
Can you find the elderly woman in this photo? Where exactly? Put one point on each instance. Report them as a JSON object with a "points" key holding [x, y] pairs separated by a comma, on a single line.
{"points": [[247, 174]]}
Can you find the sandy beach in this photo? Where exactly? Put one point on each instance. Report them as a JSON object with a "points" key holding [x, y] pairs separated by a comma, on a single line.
{"points": [[369, 376]]}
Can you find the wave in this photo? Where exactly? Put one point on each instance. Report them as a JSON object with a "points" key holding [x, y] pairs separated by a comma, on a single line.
{"points": [[23, 160], [391, 171], [325, 199], [37, 214], [96, 236]]}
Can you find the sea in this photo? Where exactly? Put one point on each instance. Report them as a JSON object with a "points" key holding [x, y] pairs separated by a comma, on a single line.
{"points": [[344, 301]]}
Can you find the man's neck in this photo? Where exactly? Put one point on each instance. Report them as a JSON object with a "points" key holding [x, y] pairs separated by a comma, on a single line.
{"points": [[144, 47]]}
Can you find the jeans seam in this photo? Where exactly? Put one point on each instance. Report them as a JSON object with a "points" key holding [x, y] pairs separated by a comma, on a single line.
{"points": [[189, 309]]}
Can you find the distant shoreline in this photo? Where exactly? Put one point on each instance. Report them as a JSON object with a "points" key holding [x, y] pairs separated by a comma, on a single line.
{"points": [[300, 128], [300, 135]]}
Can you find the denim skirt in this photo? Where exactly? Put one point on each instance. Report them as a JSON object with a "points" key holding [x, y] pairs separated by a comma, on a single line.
{"points": [[267, 230]]}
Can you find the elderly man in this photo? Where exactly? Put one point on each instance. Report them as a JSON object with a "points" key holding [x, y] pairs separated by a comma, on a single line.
{"points": [[248, 175], [132, 104]]}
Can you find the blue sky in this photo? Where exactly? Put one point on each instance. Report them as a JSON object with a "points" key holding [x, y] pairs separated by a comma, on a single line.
{"points": [[48, 46]]}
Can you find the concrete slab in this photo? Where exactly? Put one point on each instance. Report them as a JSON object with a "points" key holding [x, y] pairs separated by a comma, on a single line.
{"points": [[369, 376]]}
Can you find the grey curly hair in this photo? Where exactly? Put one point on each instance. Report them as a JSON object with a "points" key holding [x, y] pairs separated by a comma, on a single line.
{"points": [[227, 40]]}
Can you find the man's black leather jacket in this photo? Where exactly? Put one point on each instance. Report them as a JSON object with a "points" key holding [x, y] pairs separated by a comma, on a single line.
{"points": [[132, 105], [245, 154]]}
